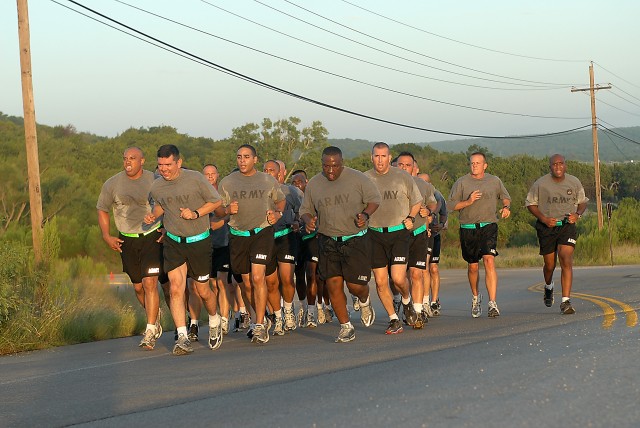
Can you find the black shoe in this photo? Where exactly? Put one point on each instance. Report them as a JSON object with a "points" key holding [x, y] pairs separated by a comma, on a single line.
{"points": [[410, 315], [193, 333], [566, 308], [175, 336], [395, 327], [548, 297]]}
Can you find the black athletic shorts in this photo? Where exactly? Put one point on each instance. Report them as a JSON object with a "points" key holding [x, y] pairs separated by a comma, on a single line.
{"points": [[255, 249], [389, 248], [435, 253], [350, 259], [430, 246], [286, 248], [142, 257], [418, 251], [197, 256], [550, 237], [221, 262], [479, 242]]}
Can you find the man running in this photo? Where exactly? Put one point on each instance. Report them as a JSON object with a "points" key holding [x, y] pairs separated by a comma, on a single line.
{"points": [[557, 200], [475, 195], [255, 202], [339, 201], [390, 228], [418, 241], [184, 198], [127, 194]]}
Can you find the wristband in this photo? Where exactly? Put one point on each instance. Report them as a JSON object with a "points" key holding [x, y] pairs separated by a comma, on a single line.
{"points": [[366, 214], [197, 213], [413, 219], [508, 207]]}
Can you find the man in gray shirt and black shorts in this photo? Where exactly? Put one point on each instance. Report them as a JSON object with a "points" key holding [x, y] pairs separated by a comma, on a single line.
{"points": [[475, 195]]}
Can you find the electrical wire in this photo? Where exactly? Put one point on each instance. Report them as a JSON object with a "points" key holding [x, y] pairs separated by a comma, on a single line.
{"points": [[623, 98], [458, 41], [611, 72], [405, 49], [348, 78], [404, 58], [619, 135], [531, 88], [301, 97], [606, 134]]}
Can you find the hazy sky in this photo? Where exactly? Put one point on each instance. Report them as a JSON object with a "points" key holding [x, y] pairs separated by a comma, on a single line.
{"points": [[104, 81]]}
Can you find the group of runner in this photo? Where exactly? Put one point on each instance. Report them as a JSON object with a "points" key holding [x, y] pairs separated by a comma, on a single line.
{"points": [[251, 242]]}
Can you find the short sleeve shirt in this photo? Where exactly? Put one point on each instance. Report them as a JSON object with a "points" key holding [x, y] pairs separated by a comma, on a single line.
{"points": [[556, 199], [428, 198], [190, 189], [336, 203], [484, 209], [129, 200], [255, 195], [399, 193]]}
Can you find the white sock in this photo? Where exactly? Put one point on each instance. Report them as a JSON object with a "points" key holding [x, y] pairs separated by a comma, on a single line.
{"points": [[564, 299], [393, 317], [278, 313], [549, 286], [182, 330], [194, 322], [406, 301], [243, 310], [365, 303], [347, 324], [425, 299], [417, 307], [288, 306], [151, 327], [214, 320]]}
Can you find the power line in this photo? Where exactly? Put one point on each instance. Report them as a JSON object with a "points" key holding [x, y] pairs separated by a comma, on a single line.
{"points": [[619, 135], [458, 41], [345, 77], [404, 58], [528, 88], [403, 48], [301, 97], [623, 98], [611, 72], [614, 144]]}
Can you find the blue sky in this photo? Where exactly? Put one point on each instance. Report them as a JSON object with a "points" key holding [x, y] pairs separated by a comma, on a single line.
{"points": [[103, 81]]}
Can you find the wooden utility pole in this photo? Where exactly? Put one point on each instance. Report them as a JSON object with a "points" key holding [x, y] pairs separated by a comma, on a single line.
{"points": [[594, 135], [31, 139]]}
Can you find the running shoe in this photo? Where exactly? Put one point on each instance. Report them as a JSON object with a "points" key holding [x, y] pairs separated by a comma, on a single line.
{"points": [[301, 317], [215, 336], [493, 309], [397, 305], [245, 321], [310, 321], [426, 309], [435, 308], [328, 314], [424, 315], [395, 327], [148, 340], [367, 315], [321, 318], [278, 326], [289, 319], [548, 296], [225, 325], [566, 308], [476, 309], [260, 334], [175, 334], [250, 331], [346, 334], [193, 333], [356, 303], [158, 324], [182, 346], [409, 314], [420, 321]]}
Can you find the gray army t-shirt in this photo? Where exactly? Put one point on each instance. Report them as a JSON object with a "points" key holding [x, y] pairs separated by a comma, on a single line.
{"points": [[399, 193], [255, 195], [336, 203], [556, 199], [428, 198], [189, 190], [130, 201], [484, 209]]}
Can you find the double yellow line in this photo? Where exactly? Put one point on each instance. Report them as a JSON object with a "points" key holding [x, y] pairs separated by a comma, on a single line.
{"points": [[608, 310]]}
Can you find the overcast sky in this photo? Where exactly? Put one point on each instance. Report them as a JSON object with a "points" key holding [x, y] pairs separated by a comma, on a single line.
{"points": [[400, 53]]}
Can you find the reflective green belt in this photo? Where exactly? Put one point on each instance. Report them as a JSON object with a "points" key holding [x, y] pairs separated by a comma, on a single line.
{"points": [[388, 229], [140, 235], [282, 232], [346, 238], [309, 236], [238, 232], [190, 239], [560, 222], [473, 225], [419, 230]]}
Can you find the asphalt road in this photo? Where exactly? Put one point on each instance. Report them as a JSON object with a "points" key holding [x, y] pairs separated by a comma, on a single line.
{"points": [[531, 367]]}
